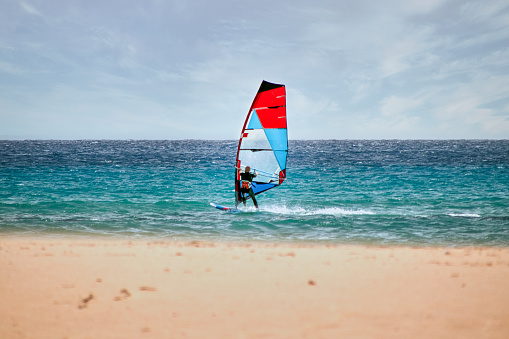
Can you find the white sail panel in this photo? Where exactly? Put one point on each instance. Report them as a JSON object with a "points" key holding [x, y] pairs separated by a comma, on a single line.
{"points": [[264, 162], [255, 139]]}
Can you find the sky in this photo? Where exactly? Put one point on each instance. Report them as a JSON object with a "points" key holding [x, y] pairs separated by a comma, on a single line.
{"points": [[189, 69]]}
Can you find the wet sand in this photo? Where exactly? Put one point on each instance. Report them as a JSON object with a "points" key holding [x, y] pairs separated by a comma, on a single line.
{"points": [[97, 288]]}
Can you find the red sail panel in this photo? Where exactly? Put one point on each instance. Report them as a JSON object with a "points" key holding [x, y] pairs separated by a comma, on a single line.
{"points": [[270, 98], [272, 117]]}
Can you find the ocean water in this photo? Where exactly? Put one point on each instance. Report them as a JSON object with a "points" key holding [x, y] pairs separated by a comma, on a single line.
{"points": [[387, 192]]}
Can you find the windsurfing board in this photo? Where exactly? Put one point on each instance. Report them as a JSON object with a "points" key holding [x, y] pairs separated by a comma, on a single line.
{"points": [[224, 208]]}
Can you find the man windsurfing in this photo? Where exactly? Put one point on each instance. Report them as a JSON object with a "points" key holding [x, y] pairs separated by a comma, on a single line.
{"points": [[246, 180]]}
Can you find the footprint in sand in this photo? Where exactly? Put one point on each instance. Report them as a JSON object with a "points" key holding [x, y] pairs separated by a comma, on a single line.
{"points": [[124, 294], [84, 302], [148, 288]]}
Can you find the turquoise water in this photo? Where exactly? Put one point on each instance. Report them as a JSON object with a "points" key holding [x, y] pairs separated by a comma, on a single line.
{"points": [[429, 193]]}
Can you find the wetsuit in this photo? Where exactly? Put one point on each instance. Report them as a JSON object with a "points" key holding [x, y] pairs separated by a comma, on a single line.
{"points": [[245, 187]]}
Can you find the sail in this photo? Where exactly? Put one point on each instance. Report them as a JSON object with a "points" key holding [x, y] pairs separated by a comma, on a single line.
{"points": [[263, 143]]}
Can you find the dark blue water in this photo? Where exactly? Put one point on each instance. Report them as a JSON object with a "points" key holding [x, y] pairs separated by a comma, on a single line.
{"points": [[426, 193]]}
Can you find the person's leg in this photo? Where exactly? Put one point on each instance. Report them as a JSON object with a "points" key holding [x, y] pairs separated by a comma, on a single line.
{"points": [[252, 195]]}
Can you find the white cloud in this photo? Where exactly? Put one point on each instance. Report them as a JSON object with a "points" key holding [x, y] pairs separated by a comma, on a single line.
{"points": [[29, 8], [467, 107], [397, 106], [363, 69], [490, 12]]}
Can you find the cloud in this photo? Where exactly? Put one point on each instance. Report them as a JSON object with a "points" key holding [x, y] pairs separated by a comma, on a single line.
{"points": [[29, 8], [156, 69], [397, 106], [480, 105]]}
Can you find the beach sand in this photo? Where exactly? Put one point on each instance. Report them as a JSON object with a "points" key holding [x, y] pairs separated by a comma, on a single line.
{"points": [[99, 288]]}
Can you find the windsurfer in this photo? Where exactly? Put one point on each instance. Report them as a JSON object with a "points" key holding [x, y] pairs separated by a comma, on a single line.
{"points": [[246, 180]]}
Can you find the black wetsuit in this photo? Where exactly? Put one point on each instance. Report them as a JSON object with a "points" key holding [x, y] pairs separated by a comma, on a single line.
{"points": [[247, 177]]}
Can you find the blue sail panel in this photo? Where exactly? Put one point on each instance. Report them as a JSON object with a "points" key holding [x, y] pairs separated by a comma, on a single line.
{"points": [[259, 188], [254, 122], [281, 158], [278, 138]]}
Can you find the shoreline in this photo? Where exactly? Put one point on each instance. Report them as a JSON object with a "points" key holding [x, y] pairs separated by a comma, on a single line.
{"points": [[105, 287], [49, 236]]}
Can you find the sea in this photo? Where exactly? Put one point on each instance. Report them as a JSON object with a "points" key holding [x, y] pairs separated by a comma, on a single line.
{"points": [[368, 192]]}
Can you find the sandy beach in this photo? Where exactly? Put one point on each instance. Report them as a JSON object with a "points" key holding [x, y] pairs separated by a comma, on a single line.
{"points": [[100, 288]]}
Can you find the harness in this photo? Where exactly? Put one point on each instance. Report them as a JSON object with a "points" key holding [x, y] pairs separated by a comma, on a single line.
{"points": [[245, 185], [245, 182]]}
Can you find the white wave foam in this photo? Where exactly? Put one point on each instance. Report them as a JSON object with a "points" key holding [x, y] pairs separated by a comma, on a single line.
{"points": [[464, 215], [297, 210], [284, 210], [340, 211]]}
